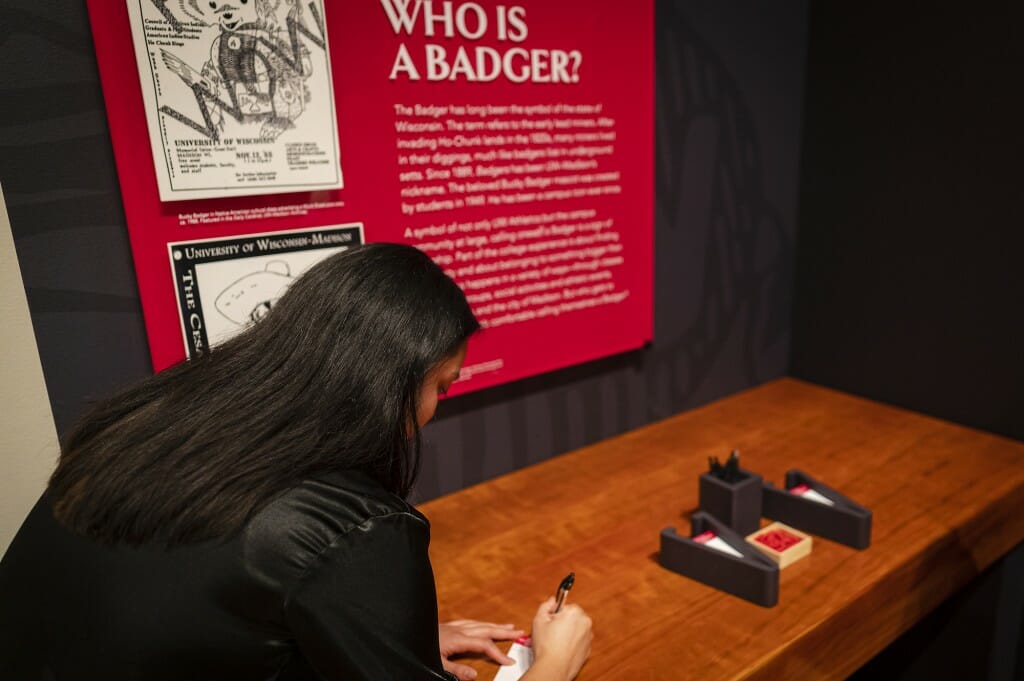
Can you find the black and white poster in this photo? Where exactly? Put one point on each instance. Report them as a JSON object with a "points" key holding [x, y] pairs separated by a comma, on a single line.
{"points": [[224, 285], [238, 95]]}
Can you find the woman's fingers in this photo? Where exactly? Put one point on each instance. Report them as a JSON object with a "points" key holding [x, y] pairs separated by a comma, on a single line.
{"points": [[565, 637], [478, 623], [461, 671], [471, 636], [496, 632], [547, 607], [473, 644]]}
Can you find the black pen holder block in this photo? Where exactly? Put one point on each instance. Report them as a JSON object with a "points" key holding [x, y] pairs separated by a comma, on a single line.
{"points": [[737, 504], [845, 521], [751, 576]]}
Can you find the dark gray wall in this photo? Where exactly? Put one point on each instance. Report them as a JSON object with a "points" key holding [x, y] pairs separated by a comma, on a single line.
{"points": [[729, 97], [909, 287]]}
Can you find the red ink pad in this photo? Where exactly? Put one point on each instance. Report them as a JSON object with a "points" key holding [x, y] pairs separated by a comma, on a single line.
{"points": [[781, 543]]}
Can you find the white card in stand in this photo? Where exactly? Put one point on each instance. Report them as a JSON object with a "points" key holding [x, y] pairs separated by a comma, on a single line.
{"points": [[812, 495], [712, 540], [522, 653]]}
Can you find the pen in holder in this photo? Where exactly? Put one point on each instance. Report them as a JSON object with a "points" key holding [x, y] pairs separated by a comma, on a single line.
{"points": [[732, 495]]}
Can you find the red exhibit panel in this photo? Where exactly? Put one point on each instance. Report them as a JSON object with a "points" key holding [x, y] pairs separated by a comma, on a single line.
{"points": [[513, 143]]}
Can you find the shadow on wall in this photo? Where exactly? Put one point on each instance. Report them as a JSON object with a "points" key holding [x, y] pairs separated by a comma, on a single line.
{"points": [[978, 633], [723, 280]]}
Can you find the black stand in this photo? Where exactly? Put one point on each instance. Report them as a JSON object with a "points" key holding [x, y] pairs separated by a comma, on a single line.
{"points": [[845, 522], [753, 577]]}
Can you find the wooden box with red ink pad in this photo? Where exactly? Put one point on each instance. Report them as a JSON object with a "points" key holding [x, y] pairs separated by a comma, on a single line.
{"points": [[782, 544]]}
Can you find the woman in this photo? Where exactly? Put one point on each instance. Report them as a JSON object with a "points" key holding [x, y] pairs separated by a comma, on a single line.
{"points": [[242, 515]]}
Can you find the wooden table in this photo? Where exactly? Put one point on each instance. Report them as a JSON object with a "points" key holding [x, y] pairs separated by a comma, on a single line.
{"points": [[947, 503]]}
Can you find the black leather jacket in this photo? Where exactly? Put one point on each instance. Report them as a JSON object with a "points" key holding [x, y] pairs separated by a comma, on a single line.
{"points": [[331, 580]]}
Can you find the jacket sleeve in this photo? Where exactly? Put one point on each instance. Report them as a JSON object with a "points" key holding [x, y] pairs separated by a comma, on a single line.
{"points": [[368, 609]]}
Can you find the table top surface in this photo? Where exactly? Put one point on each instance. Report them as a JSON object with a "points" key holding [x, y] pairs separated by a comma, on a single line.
{"points": [[946, 502]]}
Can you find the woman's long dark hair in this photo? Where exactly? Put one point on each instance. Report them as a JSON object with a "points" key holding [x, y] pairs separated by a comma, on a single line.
{"points": [[329, 380]]}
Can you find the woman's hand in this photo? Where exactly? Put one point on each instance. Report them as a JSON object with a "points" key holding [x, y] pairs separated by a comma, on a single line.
{"points": [[469, 636], [561, 642]]}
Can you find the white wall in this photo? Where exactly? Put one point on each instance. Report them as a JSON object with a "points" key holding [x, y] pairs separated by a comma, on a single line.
{"points": [[28, 437]]}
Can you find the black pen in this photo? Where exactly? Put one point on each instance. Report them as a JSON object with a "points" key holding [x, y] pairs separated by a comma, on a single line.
{"points": [[563, 590]]}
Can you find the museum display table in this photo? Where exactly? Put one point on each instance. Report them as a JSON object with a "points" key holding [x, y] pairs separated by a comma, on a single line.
{"points": [[946, 501]]}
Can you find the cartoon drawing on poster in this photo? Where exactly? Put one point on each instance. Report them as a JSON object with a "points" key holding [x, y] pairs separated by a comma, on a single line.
{"points": [[238, 95], [224, 285], [252, 296]]}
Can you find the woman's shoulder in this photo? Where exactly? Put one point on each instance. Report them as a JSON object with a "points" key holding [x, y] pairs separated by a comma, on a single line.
{"points": [[339, 501], [285, 539]]}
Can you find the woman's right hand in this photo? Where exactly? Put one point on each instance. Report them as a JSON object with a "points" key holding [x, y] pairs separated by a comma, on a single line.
{"points": [[561, 642]]}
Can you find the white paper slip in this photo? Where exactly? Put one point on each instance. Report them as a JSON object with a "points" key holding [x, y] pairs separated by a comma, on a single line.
{"points": [[808, 493], [522, 653], [714, 541]]}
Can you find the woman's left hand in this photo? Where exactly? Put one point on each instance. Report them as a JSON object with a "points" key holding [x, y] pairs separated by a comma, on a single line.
{"points": [[470, 636]]}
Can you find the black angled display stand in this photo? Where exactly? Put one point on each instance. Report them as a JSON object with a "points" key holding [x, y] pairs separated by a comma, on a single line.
{"points": [[845, 522], [753, 577]]}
